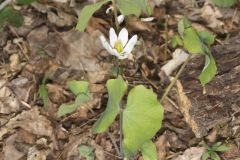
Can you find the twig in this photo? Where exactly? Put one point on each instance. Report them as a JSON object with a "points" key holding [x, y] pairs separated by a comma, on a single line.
{"points": [[114, 143], [168, 89], [166, 39], [4, 4]]}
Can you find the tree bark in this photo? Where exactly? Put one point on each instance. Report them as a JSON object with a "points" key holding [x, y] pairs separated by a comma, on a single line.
{"points": [[217, 102]]}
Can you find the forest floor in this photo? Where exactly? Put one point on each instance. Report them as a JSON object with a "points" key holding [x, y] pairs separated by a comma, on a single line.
{"points": [[48, 43]]}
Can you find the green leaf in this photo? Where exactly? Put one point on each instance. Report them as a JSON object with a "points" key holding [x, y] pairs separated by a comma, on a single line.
{"points": [[205, 156], [215, 156], [25, 2], [86, 152], [65, 109], [43, 94], [82, 98], [209, 70], [116, 90], [183, 24], [87, 13], [128, 7], [192, 42], [10, 16], [224, 3], [78, 87], [143, 5], [142, 118], [206, 37], [176, 40], [206, 146], [216, 145], [222, 148], [149, 151]]}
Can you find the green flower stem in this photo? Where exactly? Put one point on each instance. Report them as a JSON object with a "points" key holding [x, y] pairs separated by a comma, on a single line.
{"points": [[121, 131], [168, 89], [121, 155], [118, 70]]}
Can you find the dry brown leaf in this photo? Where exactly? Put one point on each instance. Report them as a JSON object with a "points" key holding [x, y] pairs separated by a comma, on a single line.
{"points": [[8, 102], [60, 18], [10, 151], [211, 15], [30, 121], [73, 49], [83, 53], [39, 151], [3, 38], [193, 153], [135, 24], [162, 145]]}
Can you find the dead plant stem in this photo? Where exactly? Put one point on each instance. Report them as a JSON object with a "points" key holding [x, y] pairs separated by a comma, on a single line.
{"points": [[114, 143], [168, 89]]}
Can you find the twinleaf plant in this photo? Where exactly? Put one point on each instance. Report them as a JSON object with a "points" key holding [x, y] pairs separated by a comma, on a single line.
{"points": [[141, 116], [196, 42], [212, 152], [81, 91]]}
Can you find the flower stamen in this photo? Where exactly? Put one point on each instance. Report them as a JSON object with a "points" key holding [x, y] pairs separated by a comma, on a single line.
{"points": [[118, 46]]}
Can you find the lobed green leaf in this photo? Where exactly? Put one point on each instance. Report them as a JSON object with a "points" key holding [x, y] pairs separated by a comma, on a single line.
{"points": [[78, 87], [87, 13], [209, 70], [142, 118], [65, 109], [116, 90], [224, 3], [10, 16], [149, 151], [206, 37], [128, 7]]}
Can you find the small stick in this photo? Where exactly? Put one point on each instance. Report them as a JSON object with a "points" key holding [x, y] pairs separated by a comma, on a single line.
{"points": [[168, 89], [114, 143], [166, 39]]}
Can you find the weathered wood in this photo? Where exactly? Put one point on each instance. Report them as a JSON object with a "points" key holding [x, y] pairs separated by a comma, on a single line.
{"points": [[205, 108]]}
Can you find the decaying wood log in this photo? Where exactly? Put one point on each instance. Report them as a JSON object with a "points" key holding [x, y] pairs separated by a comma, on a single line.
{"points": [[216, 103]]}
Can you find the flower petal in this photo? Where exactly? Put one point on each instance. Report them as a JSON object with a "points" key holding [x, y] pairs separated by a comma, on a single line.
{"points": [[112, 37], [106, 45], [131, 43], [148, 19], [123, 36], [120, 19]]}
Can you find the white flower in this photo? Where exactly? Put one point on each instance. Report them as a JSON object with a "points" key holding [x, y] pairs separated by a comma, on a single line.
{"points": [[148, 19], [120, 19], [119, 45]]}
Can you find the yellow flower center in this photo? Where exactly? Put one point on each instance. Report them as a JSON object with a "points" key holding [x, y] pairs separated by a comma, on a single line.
{"points": [[118, 46]]}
